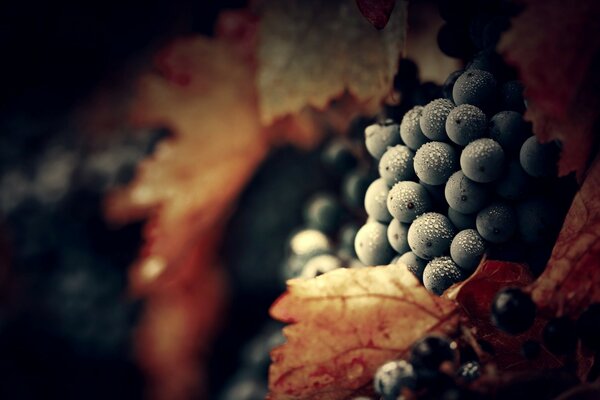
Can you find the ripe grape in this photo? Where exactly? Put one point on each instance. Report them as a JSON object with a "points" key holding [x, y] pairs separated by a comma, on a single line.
{"points": [[434, 162], [482, 160], [407, 200], [354, 187], [431, 351], [433, 119], [371, 244], [346, 236], [449, 83], [309, 241], [337, 157], [588, 327], [466, 123], [514, 183], [396, 165], [392, 377], [538, 220], [397, 236], [323, 212], [537, 159], [319, 265], [465, 195], [560, 336], [513, 311], [414, 264], [467, 248], [410, 129], [475, 87], [510, 130], [376, 201], [378, 137], [497, 222], [430, 235], [461, 221], [441, 273]]}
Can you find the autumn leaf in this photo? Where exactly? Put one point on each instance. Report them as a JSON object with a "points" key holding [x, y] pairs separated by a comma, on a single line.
{"points": [[562, 101], [312, 54], [376, 12], [345, 324], [571, 280]]}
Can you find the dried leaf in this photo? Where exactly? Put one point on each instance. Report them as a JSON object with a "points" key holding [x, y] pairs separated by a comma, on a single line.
{"points": [[312, 52], [376, 12], [571, 280], [345, 324], [204, 93], [563, 100]]}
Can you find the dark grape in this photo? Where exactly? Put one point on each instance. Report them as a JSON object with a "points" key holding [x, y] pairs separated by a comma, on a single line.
{"points": [[514, 182], [376, 201], [469, 372], [410, 129], [354, 187], [466, 123], [475, 87], [538, 220], [378, 137], [371, 244], [414, 264], [338, 158], [497, 222], [560, 335], [453, 40], [407, 200], [464, 195], [436, 192], [346, 236], [482, 160], [430, 235], [434, 162], [319, 265], [537, 159], [461, 221], [431, 351], [397, 236], [467, 248], [512, 96], [441, 273], [588, 327], [392, 377], [449, 83], [433, 119], [513, 311], [396, 165], [510, 130], [493, 29], [323, 212]]}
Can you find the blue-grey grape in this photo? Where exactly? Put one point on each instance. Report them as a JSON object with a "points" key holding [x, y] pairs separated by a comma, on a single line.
{"points": [[514, 183], [449, 83], [434, 162], [396, 234], [433, 119], [354, 187], [467, 248], [309, 241], [482, 160], [410, 129], [430, 235], [465, 195], [461, 221], [475, 87], [414, 264], [538, 220], [510, 130], [497, 222], [378, 137], [371, 244], [537, 159], [375, 201], [323, 212], [407, 200], [392, 377], [441, 273], [396, 165], [337, 157], [319, 265], [466, 123]]}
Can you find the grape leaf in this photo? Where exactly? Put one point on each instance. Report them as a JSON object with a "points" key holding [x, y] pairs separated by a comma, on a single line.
{"points": [[562, 101], [376, 12], [204, 93], [345, 324], [313, 52], [571, 280]]}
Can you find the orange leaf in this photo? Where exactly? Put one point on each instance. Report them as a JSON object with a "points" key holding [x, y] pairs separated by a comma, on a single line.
{"points": [[563, 100], [313, 52], [345, 324]]}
